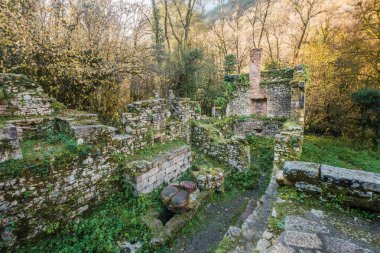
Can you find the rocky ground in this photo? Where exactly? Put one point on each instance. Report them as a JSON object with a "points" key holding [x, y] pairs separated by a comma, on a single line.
{"points": [[318, 232]]}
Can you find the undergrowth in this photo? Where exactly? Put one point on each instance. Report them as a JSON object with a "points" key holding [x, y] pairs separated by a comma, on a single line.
{"points": [[117, 220], [40, 155]]}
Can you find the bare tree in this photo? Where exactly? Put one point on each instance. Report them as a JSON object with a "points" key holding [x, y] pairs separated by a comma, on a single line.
{"points": [[306, 10]]}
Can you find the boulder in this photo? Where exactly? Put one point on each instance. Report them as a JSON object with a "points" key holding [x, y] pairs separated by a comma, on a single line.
{"points": [[180, 197]]}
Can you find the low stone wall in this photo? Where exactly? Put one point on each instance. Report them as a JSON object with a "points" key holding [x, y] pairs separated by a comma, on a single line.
{"points": [[261, 127], [353, 187], [234, 151], [32, 205], [150, 175], [288, 146], [9, 143], [22, 97]]}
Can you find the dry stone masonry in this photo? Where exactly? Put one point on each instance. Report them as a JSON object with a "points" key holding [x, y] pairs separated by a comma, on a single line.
{"points": [[149, 175], [36, 203], [272, 93], [20, 96], [234, 151], [68, 185], [357, 188]]}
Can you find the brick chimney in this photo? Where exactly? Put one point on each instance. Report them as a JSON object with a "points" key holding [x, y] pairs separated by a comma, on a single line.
{"points": [[255, 92]]}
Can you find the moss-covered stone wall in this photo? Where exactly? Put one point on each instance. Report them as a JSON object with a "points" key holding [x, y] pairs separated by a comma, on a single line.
{"points": [[288, 146], [32, 205], [233, 151]]}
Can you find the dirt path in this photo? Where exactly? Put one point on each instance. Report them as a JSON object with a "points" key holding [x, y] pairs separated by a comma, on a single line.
{"points": [[206, 232]]}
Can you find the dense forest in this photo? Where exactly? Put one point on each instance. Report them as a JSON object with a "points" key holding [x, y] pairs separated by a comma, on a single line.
{"points": [[97, 55]]}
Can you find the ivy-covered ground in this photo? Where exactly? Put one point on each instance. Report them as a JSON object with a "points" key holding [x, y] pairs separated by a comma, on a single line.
{"points": [[340, 152], [120, 218]]}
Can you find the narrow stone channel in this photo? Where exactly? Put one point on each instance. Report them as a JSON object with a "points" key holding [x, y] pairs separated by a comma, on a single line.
{"points": [[214, 220]]}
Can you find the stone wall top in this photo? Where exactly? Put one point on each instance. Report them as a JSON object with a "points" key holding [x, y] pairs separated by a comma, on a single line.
{"points": [[356, 188]]}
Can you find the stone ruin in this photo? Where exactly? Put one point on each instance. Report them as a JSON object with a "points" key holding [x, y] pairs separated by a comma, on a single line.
{"points": [[271, 93], [71, 187]]}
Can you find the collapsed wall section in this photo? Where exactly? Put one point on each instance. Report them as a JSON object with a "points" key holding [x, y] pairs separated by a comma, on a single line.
{"points": [[234, 151], [288, 146]]}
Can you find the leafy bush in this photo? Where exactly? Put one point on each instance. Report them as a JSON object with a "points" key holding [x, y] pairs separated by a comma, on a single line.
{"points": [[368, 100]]}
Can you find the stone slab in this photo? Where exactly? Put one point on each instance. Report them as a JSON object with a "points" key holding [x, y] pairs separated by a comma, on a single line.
{"points": [[301, 171], [367, 181], [297, 223], [303, 240]]}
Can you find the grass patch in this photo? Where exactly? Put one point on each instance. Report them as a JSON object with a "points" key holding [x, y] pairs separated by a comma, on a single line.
{"points": [[341, 153], [44, 154]]}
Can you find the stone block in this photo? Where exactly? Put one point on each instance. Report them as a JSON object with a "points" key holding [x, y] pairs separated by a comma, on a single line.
{"points": [[338, 245], [301, 171], [302, 239], [355, 179], [297, 223]]}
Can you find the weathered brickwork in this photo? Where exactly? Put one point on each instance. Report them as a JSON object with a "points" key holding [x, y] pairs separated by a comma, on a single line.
{"points": [[162, 169], [22, 97], [355, 188], [9, 143], [234, 151]]}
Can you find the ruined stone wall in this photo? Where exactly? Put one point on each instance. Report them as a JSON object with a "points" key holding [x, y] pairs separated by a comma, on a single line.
{"points": [[279, 97], [234, 151], [149, 175], [271, 93], [22, 97], [288, 146], [353, 187], [257, 126], [31, 205], [159, 120], [9, 143], [239, 104]]}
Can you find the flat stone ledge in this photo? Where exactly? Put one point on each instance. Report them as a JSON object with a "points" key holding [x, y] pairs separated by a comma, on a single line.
{"points": [[368, 181], [303, 240], [305, 171], [297, 223], [337, 245]]}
